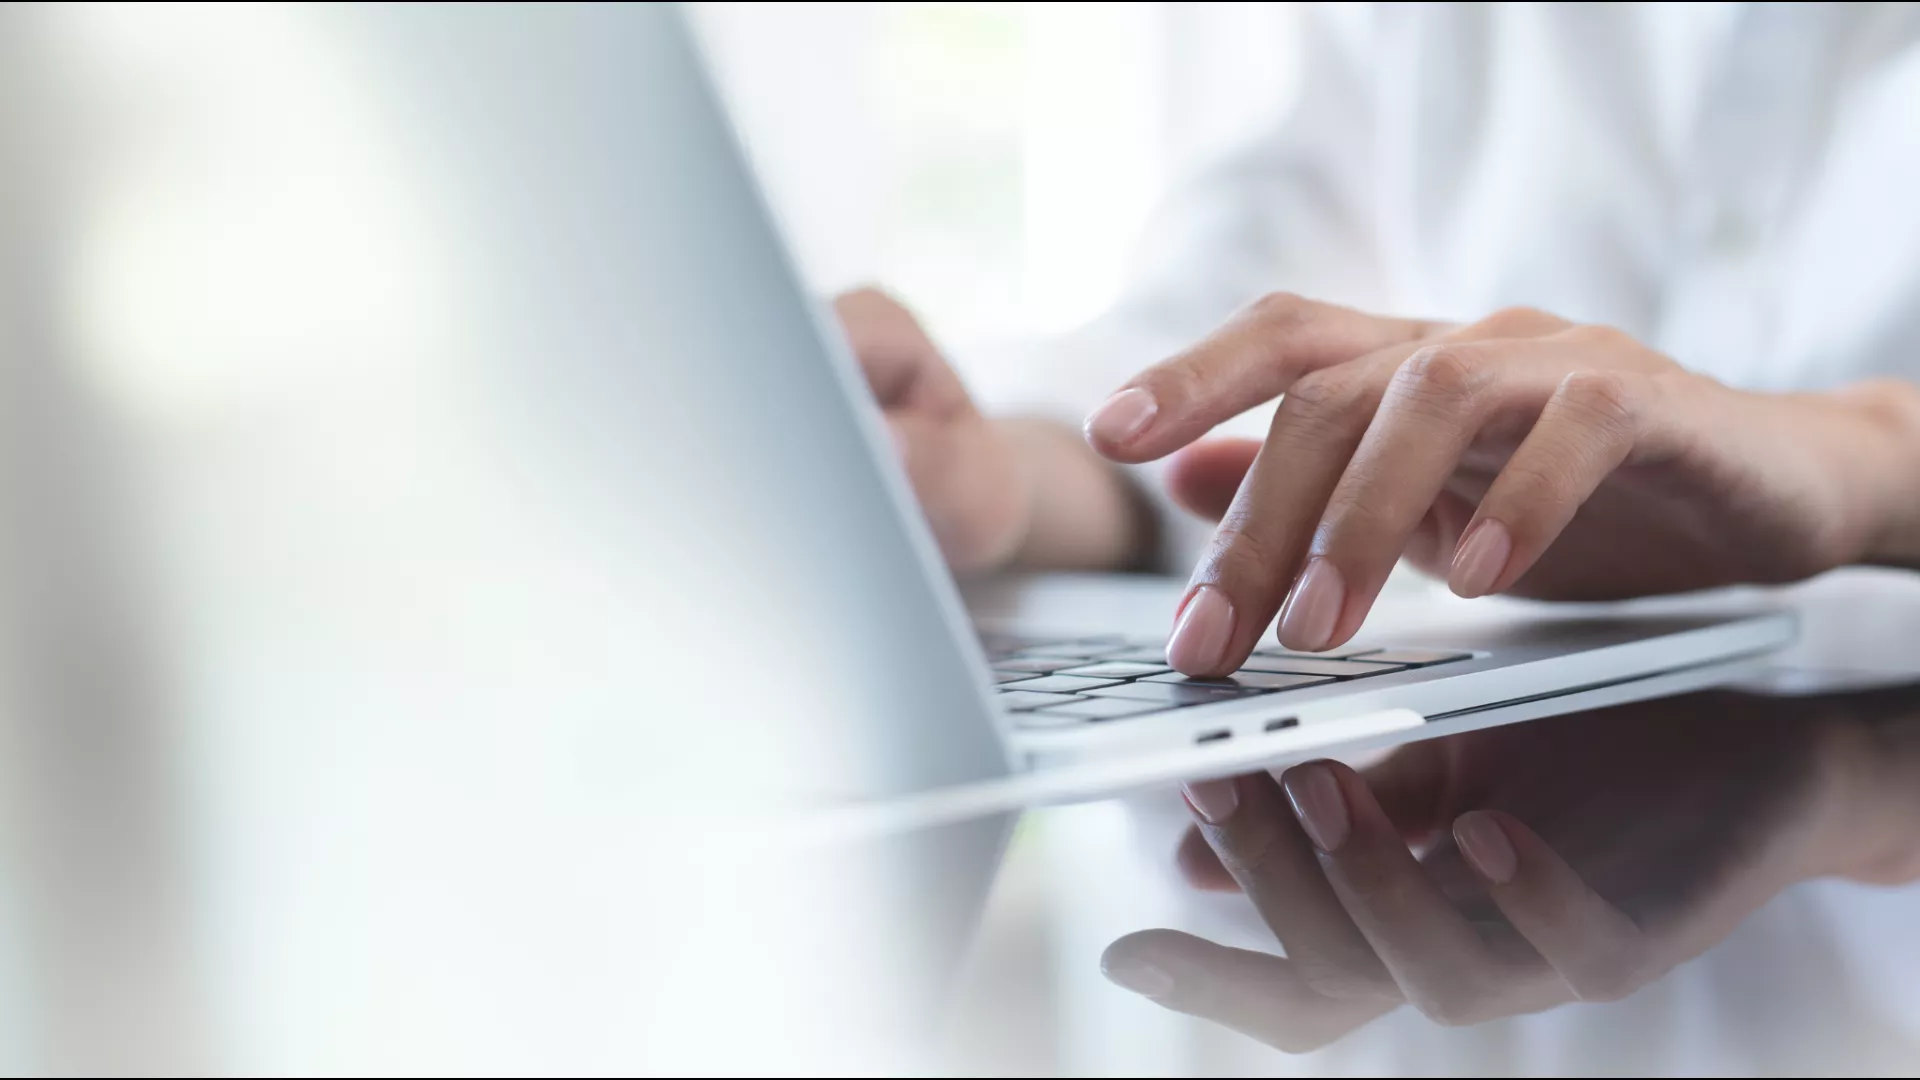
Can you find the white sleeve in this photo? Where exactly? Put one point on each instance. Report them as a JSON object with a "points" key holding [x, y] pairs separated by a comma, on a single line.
{"points": [[1287, 212]]}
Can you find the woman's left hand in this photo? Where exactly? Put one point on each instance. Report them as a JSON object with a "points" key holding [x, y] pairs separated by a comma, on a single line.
{"points": [[1510, 870]]}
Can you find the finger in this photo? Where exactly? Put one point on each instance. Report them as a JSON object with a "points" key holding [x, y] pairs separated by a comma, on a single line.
{"points": [[1247, 822], [1203, 477], [1260, 996], [940, 455], [1587, 429], [902, 365], [1435, 956], [1410, 783], [1240, 581], [1432, 546], [1255, 357], [1434, 405], [1199, 866], [1596, 949]]}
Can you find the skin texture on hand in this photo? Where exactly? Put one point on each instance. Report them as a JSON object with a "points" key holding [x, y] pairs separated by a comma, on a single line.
{"points": [[1522, 454], [1515, 869], [998, 493]]}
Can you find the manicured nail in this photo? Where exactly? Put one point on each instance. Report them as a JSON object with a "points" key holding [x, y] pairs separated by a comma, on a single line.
{"points": [[1314, 607], [1138, 976], [1122, 417], [1481, 560], [1486, 846], [1200, 639], [1214, 800], [1317, 802]]}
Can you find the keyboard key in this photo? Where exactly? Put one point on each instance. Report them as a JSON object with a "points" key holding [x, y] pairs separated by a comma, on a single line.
{"points": [[1343, 653], [1253, 680], [1417, 657], [1155, 654], [1115, 669], [1017, 700], [1037, 665], [1339, 669], [1083, 650], [1095, 709], [1176, 695], [1033, 720], [1011, 676], [1061, 684]]}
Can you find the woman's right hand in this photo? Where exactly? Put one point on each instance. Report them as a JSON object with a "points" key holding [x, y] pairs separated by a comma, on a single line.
{"points": [[1522, 454]]}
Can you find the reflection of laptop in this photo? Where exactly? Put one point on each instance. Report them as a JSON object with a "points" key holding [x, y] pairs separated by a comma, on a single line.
{"points": [[521, 463]]}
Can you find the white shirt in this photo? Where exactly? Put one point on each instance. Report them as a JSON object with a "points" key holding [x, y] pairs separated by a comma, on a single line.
{"points": [[1735, 184]]}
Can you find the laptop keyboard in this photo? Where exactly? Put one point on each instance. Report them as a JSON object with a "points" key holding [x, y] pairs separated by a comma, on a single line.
{"points": [[1045, 683]]}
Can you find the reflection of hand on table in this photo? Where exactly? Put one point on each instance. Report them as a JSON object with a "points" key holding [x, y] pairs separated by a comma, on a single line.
{"points": [[1568, 859]]}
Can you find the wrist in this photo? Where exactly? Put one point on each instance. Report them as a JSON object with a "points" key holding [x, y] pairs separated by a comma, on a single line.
{"points": [[1887, 412]]}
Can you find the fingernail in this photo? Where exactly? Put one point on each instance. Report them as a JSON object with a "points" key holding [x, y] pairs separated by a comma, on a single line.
{"points": [[1214, 800], [1200, 639], [1481, 559], [899, 441], [1317, 802], [1123, 416], [1486, 846], [1313, 608], [1138, 976]]}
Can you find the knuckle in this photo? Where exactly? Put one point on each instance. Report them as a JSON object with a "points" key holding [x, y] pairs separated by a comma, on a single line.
{"points": [[1450, 1006], [1612, 978], [1279, 310], [1448, 373], [1532, 483], [1176, 383], [1249, 849], [1603, 337], [1346, 977], [1517, 321], [1327, 393], [1603, 400], [1241, 550], [1353, 514]]}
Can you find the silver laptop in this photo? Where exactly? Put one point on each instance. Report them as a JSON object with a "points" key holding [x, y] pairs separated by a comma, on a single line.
{"points": [[485, 435]]}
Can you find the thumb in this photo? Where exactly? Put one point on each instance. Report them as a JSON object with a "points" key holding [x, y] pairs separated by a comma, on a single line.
{"points": [[1203, 477]]}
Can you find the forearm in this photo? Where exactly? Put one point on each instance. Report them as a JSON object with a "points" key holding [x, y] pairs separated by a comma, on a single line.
{"points": [[1084, 513]]}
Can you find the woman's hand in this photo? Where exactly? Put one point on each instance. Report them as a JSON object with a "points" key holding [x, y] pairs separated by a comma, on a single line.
{"points": [[1520, 454], [963, 468], [997, 492], [1510, 870]]}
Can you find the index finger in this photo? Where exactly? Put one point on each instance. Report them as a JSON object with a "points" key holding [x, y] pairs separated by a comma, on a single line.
{"points": [[1255, 357]]}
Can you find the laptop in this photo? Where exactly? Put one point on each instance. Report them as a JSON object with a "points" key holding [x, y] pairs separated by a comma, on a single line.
{"points": [[502, 476]]}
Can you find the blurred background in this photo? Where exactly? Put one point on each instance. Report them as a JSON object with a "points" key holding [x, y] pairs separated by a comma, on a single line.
{"points": [[992, 163]]}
